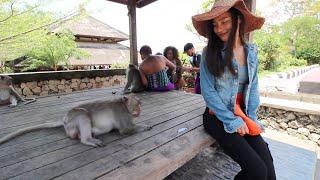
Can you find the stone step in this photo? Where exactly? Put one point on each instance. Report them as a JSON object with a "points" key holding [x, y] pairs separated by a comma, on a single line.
{"points": [[291, 105]]}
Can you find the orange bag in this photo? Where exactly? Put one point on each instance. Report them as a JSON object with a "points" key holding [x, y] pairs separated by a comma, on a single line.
{"points": [[253, 127]]}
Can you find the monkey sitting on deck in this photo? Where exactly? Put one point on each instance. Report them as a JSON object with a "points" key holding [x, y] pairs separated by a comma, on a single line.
{"points": [[8, 95], [95, 118], [134, 82]]}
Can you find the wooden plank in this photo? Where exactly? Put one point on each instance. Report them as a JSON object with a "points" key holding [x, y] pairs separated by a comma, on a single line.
{"points": [[56, 99], [146, 99], [116, 160], [165, 113], [65, 104], [162, 161], [58, 113], [55, 169]]}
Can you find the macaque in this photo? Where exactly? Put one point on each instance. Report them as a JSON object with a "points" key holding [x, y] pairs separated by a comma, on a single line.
{"points": [[134, 82], [95, 118], [8, 95]]}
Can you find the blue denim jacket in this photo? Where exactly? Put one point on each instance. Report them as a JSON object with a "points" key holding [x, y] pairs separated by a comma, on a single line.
{"points": [[220, 93]]}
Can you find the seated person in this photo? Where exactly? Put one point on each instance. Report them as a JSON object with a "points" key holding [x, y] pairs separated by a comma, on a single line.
{"points": [[153, 71], [171, 53]]}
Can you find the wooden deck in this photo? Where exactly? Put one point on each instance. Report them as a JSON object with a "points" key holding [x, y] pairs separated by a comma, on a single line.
{"points": [[176, 137]]}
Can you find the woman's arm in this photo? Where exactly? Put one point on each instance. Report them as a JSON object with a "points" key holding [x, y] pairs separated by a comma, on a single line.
{"points": [[170, 65]]}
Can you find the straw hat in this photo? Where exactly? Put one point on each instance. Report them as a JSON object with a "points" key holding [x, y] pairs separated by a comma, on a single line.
{"points": [[252, 22]]}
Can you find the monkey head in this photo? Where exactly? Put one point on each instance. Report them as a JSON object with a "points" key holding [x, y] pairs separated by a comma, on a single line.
{"points": [[133, 105], [5, 81]]}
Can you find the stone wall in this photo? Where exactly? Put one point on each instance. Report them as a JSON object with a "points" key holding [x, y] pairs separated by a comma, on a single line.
{"points": [[48, 83], [301, 125]]}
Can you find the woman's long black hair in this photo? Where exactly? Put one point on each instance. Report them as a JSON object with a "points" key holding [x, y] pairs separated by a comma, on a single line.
{"points": [[214, 61]]}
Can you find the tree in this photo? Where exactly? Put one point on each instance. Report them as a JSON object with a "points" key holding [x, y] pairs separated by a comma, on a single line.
{"points": [[24, 26], [53, 51], [303, 34]]}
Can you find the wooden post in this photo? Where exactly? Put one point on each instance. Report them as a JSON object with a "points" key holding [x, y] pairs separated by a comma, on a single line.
{"points": [[132, 31], [251, 4]]}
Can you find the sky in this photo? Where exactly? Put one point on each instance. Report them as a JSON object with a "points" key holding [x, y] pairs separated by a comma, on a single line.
{"points": [[159, 24]]}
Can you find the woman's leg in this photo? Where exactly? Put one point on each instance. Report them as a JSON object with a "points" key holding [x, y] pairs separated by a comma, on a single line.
{"points": [[262, 149], [236, 146]]}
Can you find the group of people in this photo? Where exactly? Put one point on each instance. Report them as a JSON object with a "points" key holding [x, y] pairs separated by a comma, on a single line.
{"points": [[163, 72], [229, 84]]}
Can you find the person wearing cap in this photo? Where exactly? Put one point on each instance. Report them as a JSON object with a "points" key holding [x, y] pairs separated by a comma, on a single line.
{"points": [[229, 86], [195, 59]]}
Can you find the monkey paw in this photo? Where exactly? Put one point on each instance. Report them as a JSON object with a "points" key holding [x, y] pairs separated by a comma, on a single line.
{"points": [[12, 105], [148, 128], [93, 142]]}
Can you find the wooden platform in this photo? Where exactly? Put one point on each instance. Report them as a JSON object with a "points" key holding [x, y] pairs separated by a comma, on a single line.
{"points": [[176, 137]]}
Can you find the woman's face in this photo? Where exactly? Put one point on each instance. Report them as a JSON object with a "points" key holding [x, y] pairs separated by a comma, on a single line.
{"points": [[222, 26], [170, 55]]}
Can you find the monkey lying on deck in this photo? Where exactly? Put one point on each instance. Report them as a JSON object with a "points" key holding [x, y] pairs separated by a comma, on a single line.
{"points": [[134, 82], [8, 95], [95, 118]]}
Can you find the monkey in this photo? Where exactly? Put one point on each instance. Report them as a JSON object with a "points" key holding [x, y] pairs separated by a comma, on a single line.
{"points": [[134, 82], [8, 95], [92, 119]]}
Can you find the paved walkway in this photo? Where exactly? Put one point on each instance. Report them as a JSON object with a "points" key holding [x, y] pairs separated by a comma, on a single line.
{"points": [[288, 85], [311, 82]]}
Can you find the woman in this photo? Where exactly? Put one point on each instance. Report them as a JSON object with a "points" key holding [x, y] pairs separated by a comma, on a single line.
{"points": [[171, 53], [153, 71], [228, 71]]}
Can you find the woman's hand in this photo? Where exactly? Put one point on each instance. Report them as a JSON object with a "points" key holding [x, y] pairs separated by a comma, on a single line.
{"points": [[242, 130]]}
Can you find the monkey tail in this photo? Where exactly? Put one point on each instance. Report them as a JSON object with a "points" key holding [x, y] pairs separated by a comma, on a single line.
{"points": [[29, 129]]}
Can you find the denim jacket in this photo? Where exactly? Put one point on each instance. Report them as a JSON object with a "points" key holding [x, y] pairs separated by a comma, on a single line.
{"points": [[220, 93]]}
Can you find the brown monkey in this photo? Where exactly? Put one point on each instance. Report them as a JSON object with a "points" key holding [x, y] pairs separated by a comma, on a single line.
{"points": [[134, 82], [95, 118], [8, 95]]}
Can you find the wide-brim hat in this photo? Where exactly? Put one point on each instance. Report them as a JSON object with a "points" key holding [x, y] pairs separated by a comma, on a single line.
{"points": [[252, 22]]}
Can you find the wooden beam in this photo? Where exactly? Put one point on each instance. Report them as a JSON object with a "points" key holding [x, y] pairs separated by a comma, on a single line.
{"points": [[142, 3], [132, 31], [251, 4], [125, 2]]}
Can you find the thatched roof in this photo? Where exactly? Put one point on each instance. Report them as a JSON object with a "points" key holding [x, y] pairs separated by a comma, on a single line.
{"points": [[89, 26], [102, 54]]}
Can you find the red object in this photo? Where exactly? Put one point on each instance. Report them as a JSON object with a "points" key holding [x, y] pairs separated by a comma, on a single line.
{"points": [[253, 127]]}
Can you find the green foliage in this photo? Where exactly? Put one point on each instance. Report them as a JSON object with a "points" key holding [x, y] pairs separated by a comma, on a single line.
{"points": [[24, 28], [269, 46], [303, 34], [120, 65], [54, 50], [17, 29], [206, 6], [184, 58]]}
